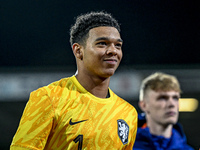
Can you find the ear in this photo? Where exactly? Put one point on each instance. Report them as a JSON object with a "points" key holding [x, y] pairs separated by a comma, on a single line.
{"points": [[142, 105], [77, 50]]}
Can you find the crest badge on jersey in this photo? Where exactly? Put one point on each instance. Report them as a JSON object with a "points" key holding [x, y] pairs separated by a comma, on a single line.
{"points": [[123, 131]]}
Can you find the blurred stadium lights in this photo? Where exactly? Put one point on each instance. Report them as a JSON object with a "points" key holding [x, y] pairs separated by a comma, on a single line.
{"points": [[16, 86], [188, 104]]}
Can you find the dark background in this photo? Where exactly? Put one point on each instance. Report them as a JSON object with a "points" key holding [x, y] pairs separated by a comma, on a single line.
{"points": [[36, 32], [156, 34]]}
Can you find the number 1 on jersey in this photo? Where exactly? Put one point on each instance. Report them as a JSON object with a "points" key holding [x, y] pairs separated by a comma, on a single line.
{"points": [[79, 139]]}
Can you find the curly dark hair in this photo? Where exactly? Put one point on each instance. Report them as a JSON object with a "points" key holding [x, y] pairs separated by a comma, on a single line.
{"points": [[79, 31]]}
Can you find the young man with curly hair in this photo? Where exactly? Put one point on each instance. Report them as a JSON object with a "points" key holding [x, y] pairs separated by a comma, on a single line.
{"points": [[81, 111]]}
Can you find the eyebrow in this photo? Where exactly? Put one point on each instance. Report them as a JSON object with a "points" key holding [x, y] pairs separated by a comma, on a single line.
{"points": [[106, 38], [167, 96]]}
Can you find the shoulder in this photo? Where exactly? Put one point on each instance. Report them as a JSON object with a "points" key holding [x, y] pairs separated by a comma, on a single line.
{"points": [[121, 100], [125, 105], [53, 87], [62, 83], [126, 110], [143, 134], [179, 137], [143, 140], [178, 133], [52, 92]]}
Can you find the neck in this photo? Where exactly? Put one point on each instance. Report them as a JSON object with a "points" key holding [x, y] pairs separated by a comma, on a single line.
{"points": [[95, 85], [160, 130]]}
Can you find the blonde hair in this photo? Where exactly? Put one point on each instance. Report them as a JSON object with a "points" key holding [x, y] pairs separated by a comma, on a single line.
{"points": [[159, 81]]}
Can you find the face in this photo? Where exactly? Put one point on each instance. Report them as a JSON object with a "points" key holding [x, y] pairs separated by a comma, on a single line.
{"points": [[162, 107], [103, 51]]}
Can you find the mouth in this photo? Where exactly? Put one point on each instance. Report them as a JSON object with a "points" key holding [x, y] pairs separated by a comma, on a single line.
{"points": [[171, 113], [111, 60]]}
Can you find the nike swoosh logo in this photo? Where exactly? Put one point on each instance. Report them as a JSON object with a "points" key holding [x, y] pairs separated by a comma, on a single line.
{"points": [[73, 123]]}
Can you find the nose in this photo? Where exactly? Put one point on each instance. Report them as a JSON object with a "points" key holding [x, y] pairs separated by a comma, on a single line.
{"points": [[111, 50], [172, 102]]}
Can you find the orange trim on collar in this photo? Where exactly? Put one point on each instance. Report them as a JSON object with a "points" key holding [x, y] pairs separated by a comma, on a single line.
{"points": [[144, 125]]}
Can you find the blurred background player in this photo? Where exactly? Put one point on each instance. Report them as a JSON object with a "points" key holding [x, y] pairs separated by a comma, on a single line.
{"points": [[157, 126]]}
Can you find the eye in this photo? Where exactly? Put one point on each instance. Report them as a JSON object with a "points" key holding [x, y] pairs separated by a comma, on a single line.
{"points": [[102, 43], [176, 98], [162, 98], [118, 45]]}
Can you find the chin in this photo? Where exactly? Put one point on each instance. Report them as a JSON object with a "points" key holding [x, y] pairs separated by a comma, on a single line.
{"points": [[109, 73], [172, 121]]}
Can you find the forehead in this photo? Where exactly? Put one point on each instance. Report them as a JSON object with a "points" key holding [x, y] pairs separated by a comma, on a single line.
{"points": [[166, 93], [102, 31]]}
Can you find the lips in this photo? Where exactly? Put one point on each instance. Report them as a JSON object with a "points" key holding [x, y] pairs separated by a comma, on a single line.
{"points": [[171, 113], [110, 59]]}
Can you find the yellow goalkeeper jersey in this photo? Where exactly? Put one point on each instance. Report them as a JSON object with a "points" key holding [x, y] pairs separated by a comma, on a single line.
{"points": [[65, 116]]}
